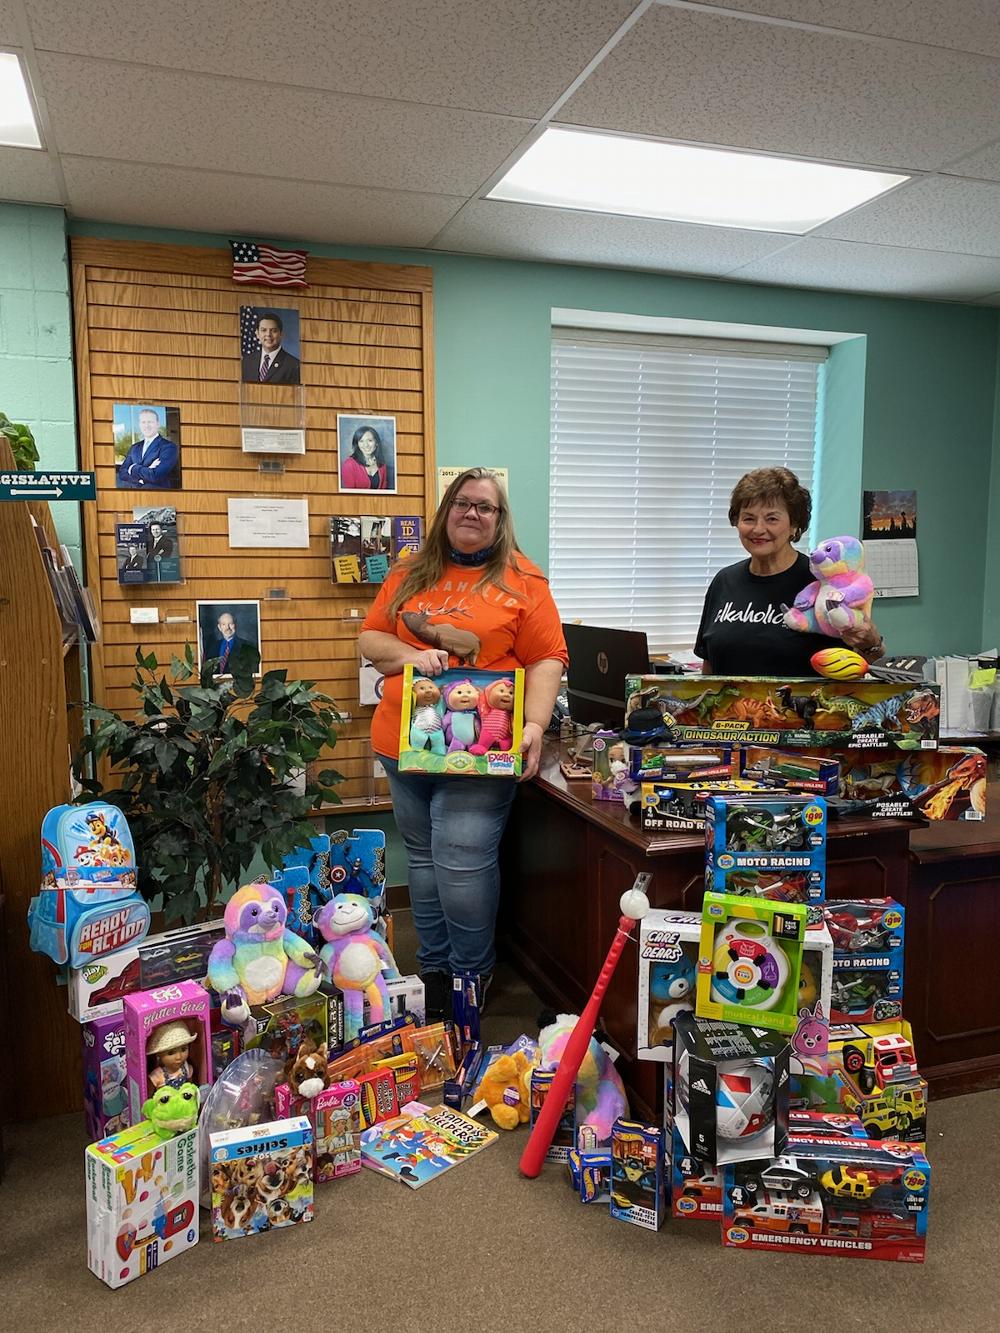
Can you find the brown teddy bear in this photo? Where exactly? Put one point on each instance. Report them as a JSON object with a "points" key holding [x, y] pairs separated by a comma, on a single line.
{"points": [[502, 1088]]}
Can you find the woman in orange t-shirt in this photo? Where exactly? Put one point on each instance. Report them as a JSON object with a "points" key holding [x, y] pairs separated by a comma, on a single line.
{"points": [[469, 597]]}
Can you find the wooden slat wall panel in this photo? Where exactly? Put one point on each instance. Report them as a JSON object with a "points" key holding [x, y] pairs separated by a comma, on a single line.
{"points": [[161, 324]]}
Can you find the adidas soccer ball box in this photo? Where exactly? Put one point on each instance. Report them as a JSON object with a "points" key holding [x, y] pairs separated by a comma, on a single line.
{"points": [[730, 1090]]}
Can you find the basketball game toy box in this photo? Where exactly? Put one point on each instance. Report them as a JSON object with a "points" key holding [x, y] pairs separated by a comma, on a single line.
{"points": [[730, 1090], [261, 1178], [831, 1196], [142, 1201], [750, 960], [767, 846], [798, 713], [465, 722], [668, 963], [947, 783]]}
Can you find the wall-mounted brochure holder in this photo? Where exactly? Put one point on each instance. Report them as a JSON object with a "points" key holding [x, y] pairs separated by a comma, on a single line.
{"points": [[273, 418], [148, 546]]}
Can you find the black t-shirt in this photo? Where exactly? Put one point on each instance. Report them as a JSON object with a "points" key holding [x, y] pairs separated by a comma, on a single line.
{"points": [[742, 632]]}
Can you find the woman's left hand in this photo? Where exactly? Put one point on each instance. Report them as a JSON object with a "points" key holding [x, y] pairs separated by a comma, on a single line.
{"points": [[531, 750]]}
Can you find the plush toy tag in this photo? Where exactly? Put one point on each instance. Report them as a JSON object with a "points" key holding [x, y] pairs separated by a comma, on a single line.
{"points": [[612, 1053], [511, 1097]]}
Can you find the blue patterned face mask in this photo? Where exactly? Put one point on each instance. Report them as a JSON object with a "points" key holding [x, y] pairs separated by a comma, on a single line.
{"points": [[470, 557]]}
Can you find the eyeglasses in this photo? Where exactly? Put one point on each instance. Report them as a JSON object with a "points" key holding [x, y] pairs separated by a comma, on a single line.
{"points": [[483, 508]]}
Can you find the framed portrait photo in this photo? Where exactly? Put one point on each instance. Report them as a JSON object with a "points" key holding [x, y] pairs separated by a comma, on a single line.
{"points": [[227, 629], [366, 448], [147, 441], [270, 347]]}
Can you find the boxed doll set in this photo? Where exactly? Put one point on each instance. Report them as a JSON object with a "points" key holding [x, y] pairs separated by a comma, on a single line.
{"points": [[465, 722]]}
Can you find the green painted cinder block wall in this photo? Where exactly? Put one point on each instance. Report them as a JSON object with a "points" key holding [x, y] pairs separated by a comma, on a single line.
{"points": [[921, 379], [36, 343]]}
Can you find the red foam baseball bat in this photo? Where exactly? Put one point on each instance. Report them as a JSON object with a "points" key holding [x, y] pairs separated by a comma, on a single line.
{"points": [[634, 906]]}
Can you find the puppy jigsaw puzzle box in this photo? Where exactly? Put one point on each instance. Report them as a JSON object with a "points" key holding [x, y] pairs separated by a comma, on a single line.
{"points": [[262, 1177]]}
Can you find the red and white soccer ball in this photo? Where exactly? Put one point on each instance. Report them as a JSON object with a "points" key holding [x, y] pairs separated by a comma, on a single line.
{"points": [[743, 1098]]}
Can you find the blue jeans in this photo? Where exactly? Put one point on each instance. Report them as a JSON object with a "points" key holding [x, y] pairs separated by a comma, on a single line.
{"points": [[451, 828]]}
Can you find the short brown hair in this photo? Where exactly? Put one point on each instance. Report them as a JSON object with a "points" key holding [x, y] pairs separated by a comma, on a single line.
{"points": [[772, 483]]}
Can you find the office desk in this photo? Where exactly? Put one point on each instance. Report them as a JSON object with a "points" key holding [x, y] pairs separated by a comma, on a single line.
{"points": [[568, 859]]}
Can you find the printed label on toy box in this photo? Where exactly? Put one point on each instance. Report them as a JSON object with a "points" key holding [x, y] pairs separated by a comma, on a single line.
{"points": [[500, 763]]}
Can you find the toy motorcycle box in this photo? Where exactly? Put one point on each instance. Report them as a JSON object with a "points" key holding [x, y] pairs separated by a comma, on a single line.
{"points": [[465, 722], [767, 846], [798, 713]]}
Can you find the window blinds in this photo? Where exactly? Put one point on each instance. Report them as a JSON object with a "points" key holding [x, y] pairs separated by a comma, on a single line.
{"points": [[649, 436]]}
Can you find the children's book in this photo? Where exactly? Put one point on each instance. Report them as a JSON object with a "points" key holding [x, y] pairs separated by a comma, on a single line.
{"points": [[418, 1147]]}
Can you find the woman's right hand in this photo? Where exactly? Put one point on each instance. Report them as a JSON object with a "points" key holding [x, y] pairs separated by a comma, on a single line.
{"points": [[431, 662]]}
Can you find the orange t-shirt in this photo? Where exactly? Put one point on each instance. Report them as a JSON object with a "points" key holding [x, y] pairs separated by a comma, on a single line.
{"points": [[512, 631]]}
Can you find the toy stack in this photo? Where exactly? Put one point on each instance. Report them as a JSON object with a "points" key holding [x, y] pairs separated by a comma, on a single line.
{"points": [[793, 1107]]}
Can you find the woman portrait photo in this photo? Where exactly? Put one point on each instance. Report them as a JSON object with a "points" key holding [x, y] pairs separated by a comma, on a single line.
{"points": [[367, 452]]}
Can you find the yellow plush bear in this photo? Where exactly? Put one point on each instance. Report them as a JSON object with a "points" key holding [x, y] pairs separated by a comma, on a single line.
{"points": [[502, 1088]]}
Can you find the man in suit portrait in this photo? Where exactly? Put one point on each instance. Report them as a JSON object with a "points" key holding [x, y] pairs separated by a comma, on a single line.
{"points": [[229, 643], [152, 462], [159, 546], [271, 364], [135, 560]]}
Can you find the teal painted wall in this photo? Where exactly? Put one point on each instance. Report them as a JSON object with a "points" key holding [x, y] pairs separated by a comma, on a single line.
{"points": [[36, 343], [928, 393], [991, 591]]}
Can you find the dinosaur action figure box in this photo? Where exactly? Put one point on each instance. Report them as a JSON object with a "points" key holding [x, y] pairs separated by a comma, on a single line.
{"points": [[947, 783], [465, 723], [799, 713]]}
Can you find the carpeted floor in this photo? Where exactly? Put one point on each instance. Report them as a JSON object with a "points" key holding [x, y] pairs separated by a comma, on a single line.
{"points": [[486, 1250]]}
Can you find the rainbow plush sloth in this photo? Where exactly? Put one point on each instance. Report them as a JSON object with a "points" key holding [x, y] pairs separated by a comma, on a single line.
{"points": [[259, 959], [841, 597], [600, 1093]]}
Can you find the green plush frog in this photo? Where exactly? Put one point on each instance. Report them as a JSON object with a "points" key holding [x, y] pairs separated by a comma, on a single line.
{"points": [[172, 1110]]}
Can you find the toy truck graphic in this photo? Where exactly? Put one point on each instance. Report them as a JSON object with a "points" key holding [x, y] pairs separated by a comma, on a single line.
{"points": [[781, 1212]]}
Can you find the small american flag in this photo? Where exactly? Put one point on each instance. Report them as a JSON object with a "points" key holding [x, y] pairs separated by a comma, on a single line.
{"points": [[265, 264]]}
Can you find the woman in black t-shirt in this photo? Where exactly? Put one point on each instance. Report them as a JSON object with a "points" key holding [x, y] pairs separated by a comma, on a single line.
{"points": [[742, 632]]}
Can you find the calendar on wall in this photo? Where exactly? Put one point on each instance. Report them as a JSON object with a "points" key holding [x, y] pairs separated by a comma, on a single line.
{"points": [[889, 532]]}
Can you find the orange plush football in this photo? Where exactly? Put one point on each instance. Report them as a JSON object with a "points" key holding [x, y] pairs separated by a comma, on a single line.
{"points": [[839, 664]]}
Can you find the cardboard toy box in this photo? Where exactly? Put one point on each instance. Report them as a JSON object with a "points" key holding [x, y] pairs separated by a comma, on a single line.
{"points": [[336, 1123], [810, 1041], [142, 1202], [590, 1174], [947, 783], [564, 1138], [750, 960], [696, 1186], [283, 1024], [105, 1088], [261, 1177], [664, 763], [434, 738], [681, 805], [668, 960], [97, 989], [610, 780], [867, 960], [767, 847], [145, 1013], [790, 770], [730, 1090], [798, 713], [638, 1174], [831, 1196], [874, 1075]]}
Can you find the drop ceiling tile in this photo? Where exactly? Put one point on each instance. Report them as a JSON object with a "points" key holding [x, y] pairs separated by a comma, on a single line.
{"points": [[984, 163], [694, 75], [12, 29], [879, 269], [27, 176], [101, 109], [524, 231], [962, 25], [506, 56], [933, 213], [205, 201]]}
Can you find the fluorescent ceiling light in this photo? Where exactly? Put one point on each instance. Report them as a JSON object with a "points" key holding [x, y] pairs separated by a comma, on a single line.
{"points": [[17, 117], [610, 173]]}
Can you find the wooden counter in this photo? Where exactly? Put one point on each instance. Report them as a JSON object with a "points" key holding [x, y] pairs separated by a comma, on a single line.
{"points": [[567, 860]]}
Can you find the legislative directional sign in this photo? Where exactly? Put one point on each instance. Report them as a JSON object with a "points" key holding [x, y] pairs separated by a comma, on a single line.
{"points": [[48, 486]]}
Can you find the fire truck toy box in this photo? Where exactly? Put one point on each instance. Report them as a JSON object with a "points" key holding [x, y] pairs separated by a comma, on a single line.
{"points": [[681, 805], [142, 1201], [811, 774], [730, 1090], [831, 1196], [767, 846], [876, 1078], [867, 960], [696, 1186], [668, 962], [799, 713], [664, 763], [157, 1023], [947, 783]]}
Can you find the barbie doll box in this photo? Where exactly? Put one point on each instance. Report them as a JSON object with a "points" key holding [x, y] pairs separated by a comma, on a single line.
{"points": [[464, 722]]}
